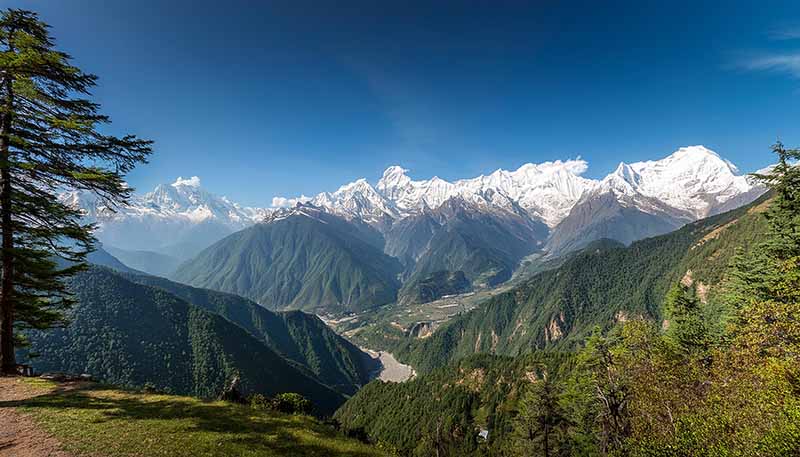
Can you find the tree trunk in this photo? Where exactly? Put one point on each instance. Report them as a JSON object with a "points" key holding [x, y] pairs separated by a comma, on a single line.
{"points": [[8, 363], [546, 441]]}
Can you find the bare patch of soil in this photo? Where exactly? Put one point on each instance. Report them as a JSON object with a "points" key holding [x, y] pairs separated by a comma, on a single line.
{"points": [[19, 435]]}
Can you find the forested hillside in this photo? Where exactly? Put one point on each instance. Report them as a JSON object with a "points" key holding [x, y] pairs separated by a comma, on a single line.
{"points": [[435, 286], [460, 236], [446, 409], [297, 336], [129, 334], [307, 260], [705, 365], [605, 284]]}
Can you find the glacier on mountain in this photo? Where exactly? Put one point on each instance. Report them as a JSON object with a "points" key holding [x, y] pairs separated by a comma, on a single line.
{"points": [[691, 183]]}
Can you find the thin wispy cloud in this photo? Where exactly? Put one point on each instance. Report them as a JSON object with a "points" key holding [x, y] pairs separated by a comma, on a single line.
{"points": [[785, 33], [787, 63], [784, 62]]}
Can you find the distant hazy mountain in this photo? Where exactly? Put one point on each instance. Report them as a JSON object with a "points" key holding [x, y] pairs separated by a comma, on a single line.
{"points": [[609, 216], [154, 263], [178, 219], [103, 258], [301, 258]]}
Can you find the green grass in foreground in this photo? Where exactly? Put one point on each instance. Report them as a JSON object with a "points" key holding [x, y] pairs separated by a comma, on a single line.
{"points": [[101, 421]]}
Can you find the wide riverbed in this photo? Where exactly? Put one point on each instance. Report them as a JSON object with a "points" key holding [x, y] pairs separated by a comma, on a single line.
{"points": [[391, 369]]}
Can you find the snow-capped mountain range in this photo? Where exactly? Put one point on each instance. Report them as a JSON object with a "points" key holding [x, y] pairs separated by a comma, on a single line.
{"points": [[694, 182], [178, 218], [691, 183]]}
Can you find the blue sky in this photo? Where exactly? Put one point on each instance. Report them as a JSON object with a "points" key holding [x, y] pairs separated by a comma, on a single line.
{"points": [[282, 98]]}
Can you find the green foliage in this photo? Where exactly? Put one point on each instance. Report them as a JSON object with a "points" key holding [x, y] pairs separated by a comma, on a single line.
{"points": [[540, 428], [435, 286], [259, 401], [297, 336], [686, 326], [50, 139], [298, 262], [602, 285], [287, 403], [291, 403], [446, 408], [740, 398], [129, 334]]}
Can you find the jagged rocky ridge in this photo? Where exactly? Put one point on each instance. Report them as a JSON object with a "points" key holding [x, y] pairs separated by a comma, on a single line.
{"points": [[691, 183], [482, 226]]}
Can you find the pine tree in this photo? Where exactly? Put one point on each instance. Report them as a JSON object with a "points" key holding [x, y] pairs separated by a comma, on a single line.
{"points": [[599, 375], [541, 426], [50, 140], [687, 328], [765, 285]]}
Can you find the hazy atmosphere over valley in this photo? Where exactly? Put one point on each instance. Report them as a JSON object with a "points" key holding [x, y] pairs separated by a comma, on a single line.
{"points": [[399, 229]]}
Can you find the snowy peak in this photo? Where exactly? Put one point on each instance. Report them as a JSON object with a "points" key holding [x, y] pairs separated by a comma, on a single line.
{"points": [[693, 179], [308, 210], [181, 213], [358, 200], [547, 190], [186, 199], [393, 178], [690, 183]]}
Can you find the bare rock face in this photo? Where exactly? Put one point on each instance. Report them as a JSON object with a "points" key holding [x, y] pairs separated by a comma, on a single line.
{"points": [[423, 329]]}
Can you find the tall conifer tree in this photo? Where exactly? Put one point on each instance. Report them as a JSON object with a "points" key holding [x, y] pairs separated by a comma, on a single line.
{"points": [[50, 140]]}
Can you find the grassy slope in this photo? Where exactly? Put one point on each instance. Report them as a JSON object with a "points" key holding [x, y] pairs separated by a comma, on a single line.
{"points": [[104, 422]]}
